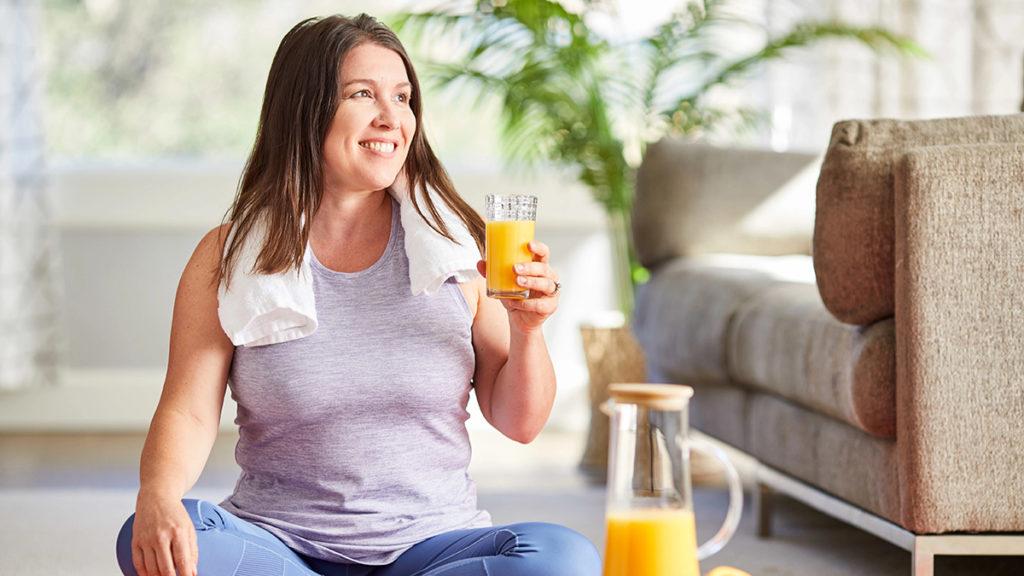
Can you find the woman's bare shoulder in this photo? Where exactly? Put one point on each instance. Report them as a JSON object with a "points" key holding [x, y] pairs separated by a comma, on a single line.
{"points": [[214, 240], [212, 245], [473, 290], [203, 268], [195, 324]]}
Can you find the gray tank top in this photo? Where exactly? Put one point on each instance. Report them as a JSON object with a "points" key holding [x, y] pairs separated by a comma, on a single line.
{"points": [[352, 440]]}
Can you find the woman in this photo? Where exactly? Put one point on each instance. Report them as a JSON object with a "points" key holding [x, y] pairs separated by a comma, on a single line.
{"points": [[352, 441]]}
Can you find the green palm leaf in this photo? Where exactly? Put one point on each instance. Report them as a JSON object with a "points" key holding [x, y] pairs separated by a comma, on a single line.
{"points": [[573, 98]]}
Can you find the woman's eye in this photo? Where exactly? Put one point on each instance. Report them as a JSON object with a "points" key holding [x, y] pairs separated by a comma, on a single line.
{"points": [[401, 97]]}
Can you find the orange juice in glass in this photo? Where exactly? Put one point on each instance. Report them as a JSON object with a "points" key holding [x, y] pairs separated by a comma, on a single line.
{"points": [[510, 224]]}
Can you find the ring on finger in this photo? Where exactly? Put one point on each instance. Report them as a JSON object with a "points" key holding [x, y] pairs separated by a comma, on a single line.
{"points": [[558, 286]]}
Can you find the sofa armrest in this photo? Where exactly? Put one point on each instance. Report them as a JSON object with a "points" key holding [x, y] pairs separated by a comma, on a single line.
{"points": [[959, 252]]}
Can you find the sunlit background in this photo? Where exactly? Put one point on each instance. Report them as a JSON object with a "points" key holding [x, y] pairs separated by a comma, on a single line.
{"points": [[127, 123], [124, 125]]}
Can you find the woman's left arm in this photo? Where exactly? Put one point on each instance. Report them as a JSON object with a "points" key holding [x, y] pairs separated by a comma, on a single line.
{"points": [[514, 378]]}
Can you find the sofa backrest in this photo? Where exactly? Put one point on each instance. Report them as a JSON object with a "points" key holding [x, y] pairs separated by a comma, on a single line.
{"points": [[854, 226], [694, 199]]}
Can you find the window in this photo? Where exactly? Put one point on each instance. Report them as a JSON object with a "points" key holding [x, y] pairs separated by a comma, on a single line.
{"points": [[146, 78]]}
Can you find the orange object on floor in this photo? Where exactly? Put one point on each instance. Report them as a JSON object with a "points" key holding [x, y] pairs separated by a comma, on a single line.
{"points": [[727, 571]]}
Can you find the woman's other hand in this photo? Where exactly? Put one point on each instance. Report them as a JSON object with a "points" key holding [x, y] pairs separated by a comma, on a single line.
{"points": [[163, 538], [541, 279]]}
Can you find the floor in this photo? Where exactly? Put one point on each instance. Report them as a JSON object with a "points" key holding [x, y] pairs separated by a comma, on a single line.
{"points": [[62, 499]]}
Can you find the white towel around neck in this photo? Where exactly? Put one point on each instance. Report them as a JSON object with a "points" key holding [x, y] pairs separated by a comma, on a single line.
{"points": [[262, 309]]}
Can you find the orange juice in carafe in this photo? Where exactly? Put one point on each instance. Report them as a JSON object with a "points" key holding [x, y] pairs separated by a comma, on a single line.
{"points": [[651, 542], [506, 244]]}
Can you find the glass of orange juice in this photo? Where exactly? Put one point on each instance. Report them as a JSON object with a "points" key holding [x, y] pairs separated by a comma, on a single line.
{"points": [[510, 223]]}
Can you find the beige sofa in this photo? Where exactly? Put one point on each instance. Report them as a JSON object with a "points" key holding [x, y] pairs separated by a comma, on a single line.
{"points": [[885, 376]]}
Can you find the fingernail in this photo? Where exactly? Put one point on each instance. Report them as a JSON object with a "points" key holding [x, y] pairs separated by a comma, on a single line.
{"points": [[522, 280], [520, 267]]}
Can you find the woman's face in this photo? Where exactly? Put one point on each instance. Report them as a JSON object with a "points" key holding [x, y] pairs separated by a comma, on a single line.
{"points": [[373, 126]]}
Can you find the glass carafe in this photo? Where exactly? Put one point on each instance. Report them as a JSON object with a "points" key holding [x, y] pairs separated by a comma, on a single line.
{"points": [[650, 523]]}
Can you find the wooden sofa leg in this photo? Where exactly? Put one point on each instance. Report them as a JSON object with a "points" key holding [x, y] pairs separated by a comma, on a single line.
{"points": [[763, 509], [923, 559]]}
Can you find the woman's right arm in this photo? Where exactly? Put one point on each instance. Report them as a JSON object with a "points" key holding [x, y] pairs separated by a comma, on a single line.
{"points": [[185, 424]]}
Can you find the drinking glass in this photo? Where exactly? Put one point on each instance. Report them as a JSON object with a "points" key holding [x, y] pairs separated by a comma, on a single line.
{"points": [[510, 223]]}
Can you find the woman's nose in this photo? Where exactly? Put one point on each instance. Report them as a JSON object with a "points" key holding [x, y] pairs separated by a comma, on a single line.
{"points": [[387, 117]]}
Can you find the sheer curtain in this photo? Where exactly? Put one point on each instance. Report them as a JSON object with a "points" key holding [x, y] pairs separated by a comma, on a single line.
{"points": [[976, 65], [28, 322]]}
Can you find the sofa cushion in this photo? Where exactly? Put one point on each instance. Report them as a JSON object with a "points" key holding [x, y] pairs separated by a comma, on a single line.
{"points": [[682, 315], [826, 453], [817, 449], [695, 199], [784, 341], [853, 228]]}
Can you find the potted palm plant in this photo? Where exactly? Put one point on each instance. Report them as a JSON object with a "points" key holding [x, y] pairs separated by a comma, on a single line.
{"points": [[572, 97]]}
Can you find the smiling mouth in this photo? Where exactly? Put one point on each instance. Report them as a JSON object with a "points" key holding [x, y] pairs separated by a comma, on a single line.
{"points": [[383, 147]]}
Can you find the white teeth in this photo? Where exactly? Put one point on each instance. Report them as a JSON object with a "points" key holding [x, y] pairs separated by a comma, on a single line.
{"points": [[386, 147]]}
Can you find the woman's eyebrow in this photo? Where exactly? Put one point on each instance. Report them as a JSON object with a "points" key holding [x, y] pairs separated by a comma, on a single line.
{"points": [[374, 83]]}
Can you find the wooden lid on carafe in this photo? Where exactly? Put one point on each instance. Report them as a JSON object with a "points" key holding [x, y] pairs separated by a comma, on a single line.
{"points": [[657, 396]]}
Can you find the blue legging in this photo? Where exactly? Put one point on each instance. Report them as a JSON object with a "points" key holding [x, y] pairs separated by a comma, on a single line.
{"points": [[230, 546]]}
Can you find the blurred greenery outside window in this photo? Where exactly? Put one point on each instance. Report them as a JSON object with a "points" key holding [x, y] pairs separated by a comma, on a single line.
{"points": [[138, 79], [131, 80]]}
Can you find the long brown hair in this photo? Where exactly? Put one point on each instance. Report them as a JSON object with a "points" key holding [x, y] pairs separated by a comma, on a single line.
{"points": [[282, 183]]}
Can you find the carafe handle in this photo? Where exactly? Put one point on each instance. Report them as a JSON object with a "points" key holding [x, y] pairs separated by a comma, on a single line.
{"points": [[732, 516]]}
